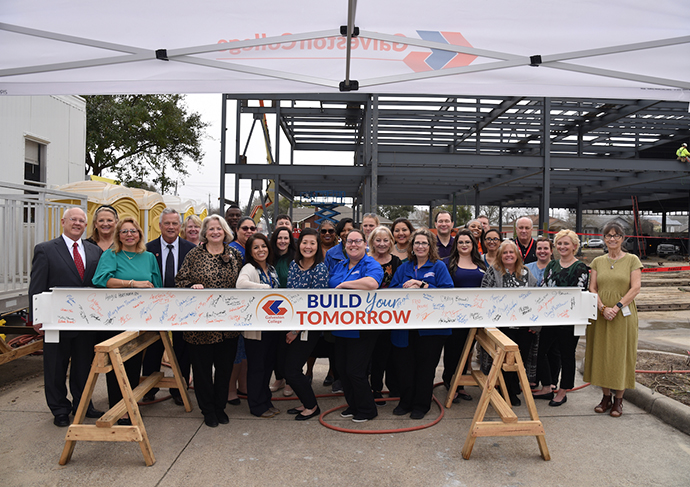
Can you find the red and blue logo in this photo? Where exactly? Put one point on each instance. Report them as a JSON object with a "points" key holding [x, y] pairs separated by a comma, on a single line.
{"points": [[439, 59], [274, 309]]}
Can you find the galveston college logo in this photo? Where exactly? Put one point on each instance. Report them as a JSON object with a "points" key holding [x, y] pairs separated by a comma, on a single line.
{"points": [[362, 48], [274, 309]]}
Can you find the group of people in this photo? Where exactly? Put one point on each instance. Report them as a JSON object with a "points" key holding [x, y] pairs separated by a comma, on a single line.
{"points": [[229, 253]]}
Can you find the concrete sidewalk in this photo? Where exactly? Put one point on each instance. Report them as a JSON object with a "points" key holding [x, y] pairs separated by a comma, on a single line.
{"points": [[586, 448]]}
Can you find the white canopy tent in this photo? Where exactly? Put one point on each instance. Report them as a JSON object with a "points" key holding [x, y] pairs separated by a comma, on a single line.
{"points": [[619, 48]]}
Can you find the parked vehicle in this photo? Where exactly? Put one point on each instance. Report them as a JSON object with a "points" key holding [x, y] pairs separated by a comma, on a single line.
{"points": [[664, 250], [594, 243]]}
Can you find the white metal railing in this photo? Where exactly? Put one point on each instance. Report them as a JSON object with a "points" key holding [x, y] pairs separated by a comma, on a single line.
{"points": [[28, 215]]}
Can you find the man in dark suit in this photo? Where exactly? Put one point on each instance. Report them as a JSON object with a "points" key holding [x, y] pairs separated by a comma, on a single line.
{"points": [[170, 251], [66, 261]]}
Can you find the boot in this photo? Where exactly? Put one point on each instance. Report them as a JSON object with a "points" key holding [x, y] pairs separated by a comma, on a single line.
{"points": [[604, 405], [617, 408]]}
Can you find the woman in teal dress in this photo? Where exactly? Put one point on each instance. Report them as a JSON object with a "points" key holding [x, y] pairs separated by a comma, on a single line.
{"points": [[611, 352], [127, 265]]}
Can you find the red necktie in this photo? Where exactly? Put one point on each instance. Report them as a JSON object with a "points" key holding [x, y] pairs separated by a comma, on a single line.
{"points": [[77, 260]]}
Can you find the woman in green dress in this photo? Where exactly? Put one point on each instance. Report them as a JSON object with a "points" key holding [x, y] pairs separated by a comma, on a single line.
{"points": [[126, 265], [611, 351]]}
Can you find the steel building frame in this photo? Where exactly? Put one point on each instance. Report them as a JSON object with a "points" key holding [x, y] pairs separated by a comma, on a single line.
{"points": [[433, 150]]}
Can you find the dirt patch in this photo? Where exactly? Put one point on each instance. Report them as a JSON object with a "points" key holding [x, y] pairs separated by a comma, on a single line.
{"points": [[673, 385]]}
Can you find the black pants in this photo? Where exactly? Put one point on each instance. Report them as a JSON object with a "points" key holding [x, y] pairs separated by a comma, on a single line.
{"points": [[211, 387], [261, 358], [452, 352], [154, 355], [74, 345], [562, 339], [417, 369], [296, 356], [379, 361], [523, 338], [281, 352], [352, 356]]}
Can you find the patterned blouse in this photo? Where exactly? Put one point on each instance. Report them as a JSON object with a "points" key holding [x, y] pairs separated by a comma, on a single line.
{"points": [[575, 275], [314, 278], [494, 278], [214, 272], [389, 271]]}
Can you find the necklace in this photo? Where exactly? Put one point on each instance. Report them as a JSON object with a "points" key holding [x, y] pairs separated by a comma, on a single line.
{"points": [[612, 261], [397, 249], [130, 258]]}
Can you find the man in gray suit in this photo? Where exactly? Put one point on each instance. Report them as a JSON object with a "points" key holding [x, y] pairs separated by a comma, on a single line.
{"points": [[66, 261]]}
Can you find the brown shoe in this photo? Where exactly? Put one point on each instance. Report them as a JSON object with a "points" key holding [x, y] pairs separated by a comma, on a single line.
{"points": [[604, 405], [617, 408]]}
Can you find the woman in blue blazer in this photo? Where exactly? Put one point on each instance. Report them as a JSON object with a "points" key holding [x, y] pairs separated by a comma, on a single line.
{"points": [[419, 351]]}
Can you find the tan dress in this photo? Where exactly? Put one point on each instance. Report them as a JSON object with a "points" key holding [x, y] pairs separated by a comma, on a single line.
{"points": [[611, 352]]}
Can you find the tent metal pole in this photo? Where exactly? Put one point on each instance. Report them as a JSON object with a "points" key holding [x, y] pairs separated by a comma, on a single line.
{"points": [[351, 11], [223, 122], [546, 187], [375, 154]]}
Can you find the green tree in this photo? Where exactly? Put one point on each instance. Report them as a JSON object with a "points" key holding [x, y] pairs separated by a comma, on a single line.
{"points": [[395, 211], [140, 136]]}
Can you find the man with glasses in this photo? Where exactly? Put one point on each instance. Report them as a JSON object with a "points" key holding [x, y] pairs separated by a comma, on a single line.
{"points": [[444, 229], [170, 251], [66, 261]]}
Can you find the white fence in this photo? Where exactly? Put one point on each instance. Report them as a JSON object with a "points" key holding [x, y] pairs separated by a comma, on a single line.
{"points": [[28, 215]]}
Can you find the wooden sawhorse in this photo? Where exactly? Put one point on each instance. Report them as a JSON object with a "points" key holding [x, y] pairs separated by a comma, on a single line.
{"points": [[111, 355], [506, 357]]}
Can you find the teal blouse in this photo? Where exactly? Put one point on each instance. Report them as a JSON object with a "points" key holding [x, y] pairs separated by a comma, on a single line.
{"points": [[126, 266]]}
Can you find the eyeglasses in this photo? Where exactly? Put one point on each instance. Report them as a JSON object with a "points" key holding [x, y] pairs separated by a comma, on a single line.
{"points": [[421, 244], [327, 230], [614, 236], [248, 229], [354, 241], [131, 231], [78, 220], [492, 240]]}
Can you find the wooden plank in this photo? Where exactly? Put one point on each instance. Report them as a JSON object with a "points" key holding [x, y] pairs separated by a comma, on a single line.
{"points": [[521, 428], [459, 378], [4, 347], [500, 339], [118, 410], [502, 408], [117, 341], [180, 383], [15, 353], [87, 432]]}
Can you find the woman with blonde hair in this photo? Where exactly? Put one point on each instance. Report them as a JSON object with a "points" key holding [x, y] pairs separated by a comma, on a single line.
{"points": [[126, 265], [104, 223], [567, 271], [380, 243], [213, 264], [509, 271], [191, 229]]}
